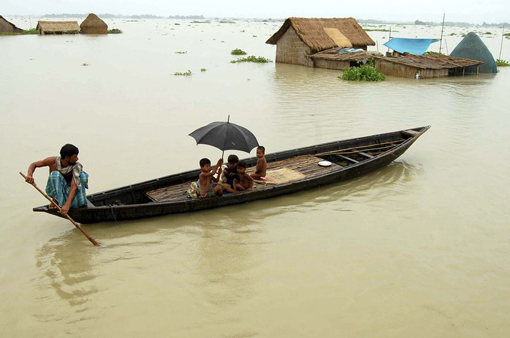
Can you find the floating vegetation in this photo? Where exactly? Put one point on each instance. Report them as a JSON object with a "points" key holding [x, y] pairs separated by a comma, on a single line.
{"points": [[252, 58], [205, 21], [203, 69], [227, 21], [363, 73], [463, 35], [85, 64], [238, 51], [114, 31], [188, 73], [488, 33], [453, 34], [179, 52], [502, 63], [177, 24], [506, 34]]}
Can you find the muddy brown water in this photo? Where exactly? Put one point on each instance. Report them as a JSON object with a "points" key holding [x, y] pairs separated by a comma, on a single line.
{"points": [[417, 249]]}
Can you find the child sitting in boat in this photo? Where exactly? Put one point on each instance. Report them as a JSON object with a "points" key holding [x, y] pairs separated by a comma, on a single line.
{"points": [[230, 173], [260, 170], [207, 188], [244, 181]]}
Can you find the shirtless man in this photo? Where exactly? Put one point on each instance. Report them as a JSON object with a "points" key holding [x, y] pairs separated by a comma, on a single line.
{"points": [[261, 168], [67, 180], [206, 179], [244, 182]]}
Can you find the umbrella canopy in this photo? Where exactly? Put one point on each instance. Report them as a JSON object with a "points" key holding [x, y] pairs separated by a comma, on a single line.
{"points": [[226, 136]]}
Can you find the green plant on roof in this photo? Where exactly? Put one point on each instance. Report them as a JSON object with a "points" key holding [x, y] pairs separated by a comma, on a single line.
{"points": [[188, 73], [363, 73], [114, 31], [252, 58], [432, 53], [502, 63], [238, 51]]}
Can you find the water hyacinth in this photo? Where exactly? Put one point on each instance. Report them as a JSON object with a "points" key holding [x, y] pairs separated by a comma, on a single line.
{"points": [[363, 73]]}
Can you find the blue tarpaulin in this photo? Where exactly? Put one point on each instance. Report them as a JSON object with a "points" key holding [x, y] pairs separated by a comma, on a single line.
{"points": [[413, 46]]}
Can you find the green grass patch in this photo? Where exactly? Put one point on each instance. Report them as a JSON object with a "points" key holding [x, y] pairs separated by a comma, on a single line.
{"points": [[195, 21], [363, 73], [203, 69], [453, 34], [238, 51], [181, 52], [226, 21], [114, 31], [85, 64], [432, 53], [188, 73], [252, 58], [506, 34], [502, 63], [25, 32]]}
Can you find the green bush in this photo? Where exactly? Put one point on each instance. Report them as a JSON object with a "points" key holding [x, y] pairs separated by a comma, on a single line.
{"points": [[114, 31], [238, 51], [252, 58], [363, 73], [188, 73], [502, 63]]}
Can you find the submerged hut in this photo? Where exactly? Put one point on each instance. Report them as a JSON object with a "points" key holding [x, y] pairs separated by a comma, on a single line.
{"points": [[58, 27], [423, 66], [8, 27], [299, 38], [472, 47], [93, 25]]}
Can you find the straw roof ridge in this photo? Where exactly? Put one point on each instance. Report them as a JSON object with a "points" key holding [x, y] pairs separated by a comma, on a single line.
{"points": [[58, 26], [314, 32]]}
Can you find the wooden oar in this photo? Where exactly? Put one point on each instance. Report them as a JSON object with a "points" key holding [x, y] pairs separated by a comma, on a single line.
{"points": [[60, 210]]}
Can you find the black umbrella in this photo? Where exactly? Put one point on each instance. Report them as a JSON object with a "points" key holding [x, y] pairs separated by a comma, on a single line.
{"points": [[226, 136]]}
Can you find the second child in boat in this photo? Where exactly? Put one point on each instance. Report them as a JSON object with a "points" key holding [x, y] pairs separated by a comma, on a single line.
{"points": [[260, 170], [206, 179], [244, 181], [230, 173]]}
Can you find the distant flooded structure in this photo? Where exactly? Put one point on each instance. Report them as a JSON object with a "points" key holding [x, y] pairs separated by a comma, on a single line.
{"points": [[93, 25], [58, 27], [300, 39], [423, 66], [472, 47], [8, 27]]}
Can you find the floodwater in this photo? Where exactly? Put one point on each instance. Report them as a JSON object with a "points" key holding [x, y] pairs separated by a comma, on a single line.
{"points": [[418, 249]]}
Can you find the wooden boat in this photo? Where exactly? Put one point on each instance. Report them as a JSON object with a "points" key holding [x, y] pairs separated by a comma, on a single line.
{"points": [[288, 172]]}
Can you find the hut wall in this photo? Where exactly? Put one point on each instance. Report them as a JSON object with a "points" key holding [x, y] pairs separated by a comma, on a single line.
{"points": [[291, 49], [331, 64], [400, 70]]}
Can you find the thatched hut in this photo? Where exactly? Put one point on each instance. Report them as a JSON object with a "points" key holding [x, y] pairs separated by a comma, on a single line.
{"points": [[93, 25], [299, 38], [423, 66], [472, 47], [58, 27], [8, 27]]}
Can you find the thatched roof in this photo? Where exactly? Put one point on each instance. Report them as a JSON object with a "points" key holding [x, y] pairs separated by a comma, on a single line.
{"points": [[321, 34], [8, 26], [438, 61], [93, 25], [58, 26]]}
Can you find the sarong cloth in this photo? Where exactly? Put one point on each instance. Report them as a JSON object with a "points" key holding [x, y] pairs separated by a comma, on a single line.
{"points": [[58, 187]]}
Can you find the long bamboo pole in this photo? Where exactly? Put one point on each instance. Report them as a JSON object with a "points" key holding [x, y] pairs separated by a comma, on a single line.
{"points": [[441, 40], [60, 210]]}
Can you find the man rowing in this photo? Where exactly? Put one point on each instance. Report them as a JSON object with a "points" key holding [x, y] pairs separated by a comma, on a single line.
{"points": [[67, 180]]}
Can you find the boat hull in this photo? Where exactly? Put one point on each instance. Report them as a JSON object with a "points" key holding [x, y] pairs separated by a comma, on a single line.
{"points": [[109, 211]]}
